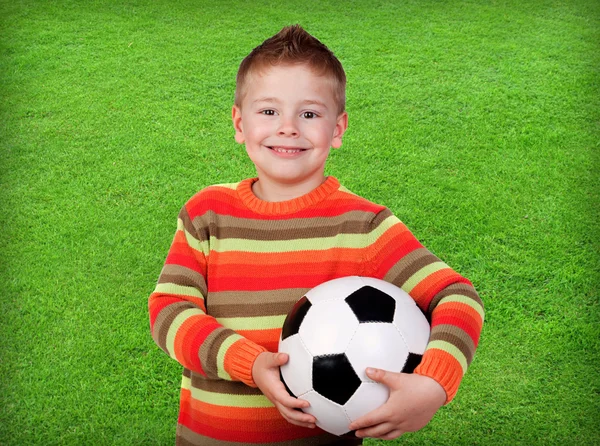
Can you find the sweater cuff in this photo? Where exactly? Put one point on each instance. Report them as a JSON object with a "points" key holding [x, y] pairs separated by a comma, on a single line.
{"points": [[240, 359], [443, 368]]}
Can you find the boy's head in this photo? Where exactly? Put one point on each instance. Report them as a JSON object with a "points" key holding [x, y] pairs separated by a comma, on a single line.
{"points": [[289, 112], [293, 46]]}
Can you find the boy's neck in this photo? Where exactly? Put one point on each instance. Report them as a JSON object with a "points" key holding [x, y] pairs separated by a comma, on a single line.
{"points": [[277, 192]]}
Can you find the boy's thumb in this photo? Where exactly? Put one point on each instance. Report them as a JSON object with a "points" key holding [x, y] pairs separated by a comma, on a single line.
{"points": [[378, 375], [280, 358]]}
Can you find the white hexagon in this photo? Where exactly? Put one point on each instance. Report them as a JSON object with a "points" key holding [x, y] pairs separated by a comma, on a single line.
{"points": [[328, 327], [297, 372], [368, 397], [336, 289], [413, 326], [330, 416], [377, 345]]}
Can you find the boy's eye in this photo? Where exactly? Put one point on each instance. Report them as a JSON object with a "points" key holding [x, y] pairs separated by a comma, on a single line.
{"points": [[268, 112], [309, 115]]}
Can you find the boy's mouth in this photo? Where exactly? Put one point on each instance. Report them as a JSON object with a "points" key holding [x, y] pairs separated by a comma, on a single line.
{"points": [[288, 150]]}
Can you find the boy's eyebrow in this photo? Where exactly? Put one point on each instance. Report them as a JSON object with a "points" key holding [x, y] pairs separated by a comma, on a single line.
{"points": [[305, 102]]}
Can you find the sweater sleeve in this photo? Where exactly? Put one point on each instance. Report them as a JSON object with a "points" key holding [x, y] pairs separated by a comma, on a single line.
{"points": [[179, 322], [448, 300]]}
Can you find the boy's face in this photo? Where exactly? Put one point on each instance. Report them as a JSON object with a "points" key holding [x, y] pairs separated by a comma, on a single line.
{"points": [[289, 120]]}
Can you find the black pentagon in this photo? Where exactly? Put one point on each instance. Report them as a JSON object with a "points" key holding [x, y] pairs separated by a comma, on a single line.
{"points": [[285, 385], [372, 305], [334, 378], [295, 318], [411, 363]]}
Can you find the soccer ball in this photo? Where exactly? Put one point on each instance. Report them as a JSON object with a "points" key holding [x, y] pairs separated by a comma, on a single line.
{"points": [[335, 332]]}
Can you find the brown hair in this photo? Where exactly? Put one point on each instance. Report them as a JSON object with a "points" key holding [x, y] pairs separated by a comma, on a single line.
{"points": [[293, 45]]}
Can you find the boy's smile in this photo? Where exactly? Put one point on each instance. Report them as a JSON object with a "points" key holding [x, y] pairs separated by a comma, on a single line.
{"points": [[288, 121]]}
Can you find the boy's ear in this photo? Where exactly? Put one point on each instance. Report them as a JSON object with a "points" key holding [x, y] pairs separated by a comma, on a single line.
{"points": [[236, 117], [340, 128]]}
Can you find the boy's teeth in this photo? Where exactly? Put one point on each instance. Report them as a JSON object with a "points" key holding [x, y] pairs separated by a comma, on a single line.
{"points": [[281, 150]]}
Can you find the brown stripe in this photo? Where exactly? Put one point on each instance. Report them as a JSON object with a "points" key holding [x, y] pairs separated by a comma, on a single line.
{"points": [[409, 265], [187, 222], [380, 217], [186, 437], [223, 226], [252, 310], [220, 385], [181, 275], [243, 297], [210, 349], [461, 289], [456, 337], [164, 320]]}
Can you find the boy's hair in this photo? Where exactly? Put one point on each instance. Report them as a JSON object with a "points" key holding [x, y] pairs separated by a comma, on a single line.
{"points": [[290, 46]]}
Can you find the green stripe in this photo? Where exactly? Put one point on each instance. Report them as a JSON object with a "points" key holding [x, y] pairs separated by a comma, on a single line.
{"points": [[228, 185], [464, 300], [171, 288], [252, 323], [386, 224], [355, 241], [193, 242], [223, 399], [348, 191], [221, 356], [175, 325], [452, 349], [422, 274]]}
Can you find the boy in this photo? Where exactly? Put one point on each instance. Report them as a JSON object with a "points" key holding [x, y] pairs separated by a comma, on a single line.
{"points": [[244, 253]]}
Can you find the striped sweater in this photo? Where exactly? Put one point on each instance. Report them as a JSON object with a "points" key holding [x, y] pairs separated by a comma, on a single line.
{"points": [[236, 267]]}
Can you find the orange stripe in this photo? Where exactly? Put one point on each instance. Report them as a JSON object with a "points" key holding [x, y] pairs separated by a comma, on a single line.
{"points": [[238, 424], [260, 271], [391, 239], [451, 308], [283, 259], [433, 283], [270, 414], [191, 323], [269, 339], [156, 303], [194, 324], [444, 368]]}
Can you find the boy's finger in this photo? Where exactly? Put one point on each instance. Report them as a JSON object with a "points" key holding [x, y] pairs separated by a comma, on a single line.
{"points": [[296, 416], [376, 431], [373, 418], [289, 401]]}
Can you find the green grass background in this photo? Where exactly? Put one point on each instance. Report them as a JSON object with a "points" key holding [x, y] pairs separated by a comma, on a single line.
{"points": [[476, 122]]}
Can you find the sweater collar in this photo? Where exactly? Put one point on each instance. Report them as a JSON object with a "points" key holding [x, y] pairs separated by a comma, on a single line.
{"points": [[244, 189]]}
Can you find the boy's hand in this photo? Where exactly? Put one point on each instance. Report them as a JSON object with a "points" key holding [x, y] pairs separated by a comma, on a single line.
{"points": [[265, 372], [414, 400]]}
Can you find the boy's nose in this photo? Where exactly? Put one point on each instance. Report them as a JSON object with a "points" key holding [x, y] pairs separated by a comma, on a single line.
{"points": [[287, 127]]}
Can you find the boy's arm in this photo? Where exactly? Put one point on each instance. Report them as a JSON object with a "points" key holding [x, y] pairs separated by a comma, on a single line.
{"points": [[178, 319], [448, 300]]}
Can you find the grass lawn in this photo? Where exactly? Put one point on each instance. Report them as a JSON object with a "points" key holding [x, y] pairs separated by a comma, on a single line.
{"points": [[477, 123]]}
